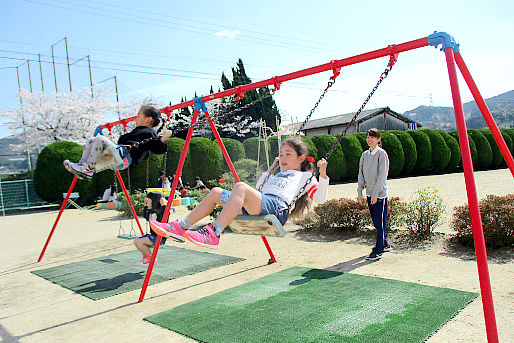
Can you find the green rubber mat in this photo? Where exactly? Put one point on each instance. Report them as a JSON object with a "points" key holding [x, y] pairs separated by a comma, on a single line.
{"points": [[103, 277], [312, 305]]}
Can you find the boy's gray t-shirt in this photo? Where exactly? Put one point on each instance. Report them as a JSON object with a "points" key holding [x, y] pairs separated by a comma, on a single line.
{"points": [[373, 170]]}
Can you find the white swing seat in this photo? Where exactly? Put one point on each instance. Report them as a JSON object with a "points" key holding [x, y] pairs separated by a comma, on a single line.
{"points": [[266, 225], [109, 159]]}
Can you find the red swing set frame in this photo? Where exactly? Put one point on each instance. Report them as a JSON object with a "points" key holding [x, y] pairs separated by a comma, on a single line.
{"points": [[453, 57]]}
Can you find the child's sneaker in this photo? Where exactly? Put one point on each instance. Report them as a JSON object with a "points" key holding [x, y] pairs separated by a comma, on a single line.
{"points": [[374, 256], [145, 261], [81, 170], [205, 237], [168, 230]]}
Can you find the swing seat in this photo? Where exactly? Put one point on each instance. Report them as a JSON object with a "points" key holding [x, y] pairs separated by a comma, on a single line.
{"points": [[126, 236], [266, 225], [110, 159]]}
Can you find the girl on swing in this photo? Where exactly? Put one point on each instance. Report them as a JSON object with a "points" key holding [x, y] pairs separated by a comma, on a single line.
{"points": [[278, 192], [133, 147]]}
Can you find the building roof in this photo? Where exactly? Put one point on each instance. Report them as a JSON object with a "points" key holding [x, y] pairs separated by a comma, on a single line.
{"points": [[343, 119]]}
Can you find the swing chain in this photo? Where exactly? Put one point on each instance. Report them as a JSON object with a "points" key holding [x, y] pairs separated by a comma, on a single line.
{"points": [[330, 84], [382, 77]]}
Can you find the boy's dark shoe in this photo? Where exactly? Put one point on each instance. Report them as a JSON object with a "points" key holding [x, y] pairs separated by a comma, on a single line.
{"points": [[374, 256], [388, 248]]}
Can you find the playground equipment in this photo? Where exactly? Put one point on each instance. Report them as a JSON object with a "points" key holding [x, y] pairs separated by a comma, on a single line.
{"points": [[453, 57]]}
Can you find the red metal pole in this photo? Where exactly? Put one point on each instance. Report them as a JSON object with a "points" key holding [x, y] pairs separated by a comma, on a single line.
{"points": [[150, 267], [234, 172], [273, 81], [476, 220], [64, 202], [129, 202], [168, 205], [485, 112]]}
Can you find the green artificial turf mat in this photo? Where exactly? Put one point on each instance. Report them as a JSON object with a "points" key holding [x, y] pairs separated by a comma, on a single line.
{"points": [[312, 305], [103, 277]]}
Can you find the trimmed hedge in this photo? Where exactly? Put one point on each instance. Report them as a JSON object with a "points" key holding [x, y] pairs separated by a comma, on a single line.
{"points": [[509, 132], [51, 179], [138, 174], [497, 155], [252, 149], [441, 154], [352, 152], [409, 150], [175, 147], [392, 145], [485, 153], [204, 160], [510, 144], [472, 146], [453, 144], [361, 136], [423, 150], [336, 163], [235, 149]]}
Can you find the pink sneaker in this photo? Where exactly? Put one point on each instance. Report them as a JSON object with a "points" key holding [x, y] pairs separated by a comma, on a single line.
{"points": [[205, 237], [145, 261], [168, 230]]}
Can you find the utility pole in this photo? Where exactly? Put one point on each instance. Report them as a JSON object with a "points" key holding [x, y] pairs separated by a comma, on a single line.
{"points": [[68, 60], [90, 76], [30, 79], [41, 73]]}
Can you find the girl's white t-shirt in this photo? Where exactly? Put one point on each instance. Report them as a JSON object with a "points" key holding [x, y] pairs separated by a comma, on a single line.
{"points": [[288, 183]]}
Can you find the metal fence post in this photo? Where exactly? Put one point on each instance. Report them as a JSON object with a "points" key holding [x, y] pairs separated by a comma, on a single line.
{"points": [[2, 198], [27, 192]]}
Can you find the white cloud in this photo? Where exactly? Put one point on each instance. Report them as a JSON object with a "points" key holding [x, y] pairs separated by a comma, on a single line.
{"points": [[232, 34]]}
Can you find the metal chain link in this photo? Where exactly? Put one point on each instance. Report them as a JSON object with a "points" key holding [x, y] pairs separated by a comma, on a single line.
{"points": [[382, 77]]}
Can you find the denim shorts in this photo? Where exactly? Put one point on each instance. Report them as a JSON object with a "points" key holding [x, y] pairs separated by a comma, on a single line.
{"points": [[271, 204], [153, 237]]}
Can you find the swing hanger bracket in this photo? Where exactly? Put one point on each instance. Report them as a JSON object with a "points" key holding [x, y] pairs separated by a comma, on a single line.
{"points": [[276, 84], [199, 104], [124, 122], [445, 40], [98, 131], [393, 55], [240, 93], [335, 70]]}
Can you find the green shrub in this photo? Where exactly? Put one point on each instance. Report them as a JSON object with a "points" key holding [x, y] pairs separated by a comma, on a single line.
{"points": [[497, 214], [392, 145], [352, 152], [204, 160], [341, 214], [336, 164], [485, 153], [453, 145], [409, 150], [441, 154], [246, 170], [361, 136], [423, 150], [395, 213], [497, 155], [423, 213], [313, 151], [510, 144], [51, 179], [138, 201], [235, 150], [175, 147], [472, 147], [252, 150], [138, 175], [509, 132]]}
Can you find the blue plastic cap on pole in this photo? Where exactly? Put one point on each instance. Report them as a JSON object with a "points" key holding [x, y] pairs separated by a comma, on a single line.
{"points": [[98, 131], [199, 104], [444, 39]]}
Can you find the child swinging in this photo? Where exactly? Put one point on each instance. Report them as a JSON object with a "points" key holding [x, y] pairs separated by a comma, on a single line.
{"points": [[132, 148], [278, 192]]}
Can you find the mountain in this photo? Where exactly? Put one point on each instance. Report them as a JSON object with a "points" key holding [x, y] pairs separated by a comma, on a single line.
{"points": [[443, 118], [13, 161]]}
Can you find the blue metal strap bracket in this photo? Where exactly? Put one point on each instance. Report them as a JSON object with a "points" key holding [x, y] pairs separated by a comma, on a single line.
{"points": [[445, 40], [199, 104]]}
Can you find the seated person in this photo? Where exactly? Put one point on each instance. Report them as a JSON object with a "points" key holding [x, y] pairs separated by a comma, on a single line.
{"points": [[199, 183], [204, 189], [154, 210], [110, 194], [184, 190]]}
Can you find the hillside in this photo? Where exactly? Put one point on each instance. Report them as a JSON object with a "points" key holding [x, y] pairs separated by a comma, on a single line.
{"points": [[435, 117], [12, 161]]}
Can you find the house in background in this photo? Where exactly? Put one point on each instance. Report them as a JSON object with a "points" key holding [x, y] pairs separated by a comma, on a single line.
{"points": [[382, 118]]}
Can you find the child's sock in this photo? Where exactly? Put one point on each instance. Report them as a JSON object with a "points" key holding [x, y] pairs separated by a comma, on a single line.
{"points": [[184, 223], [218, 228]]}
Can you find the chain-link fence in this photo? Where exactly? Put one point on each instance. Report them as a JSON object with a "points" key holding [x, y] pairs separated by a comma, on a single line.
{"points": [[19, 194]]}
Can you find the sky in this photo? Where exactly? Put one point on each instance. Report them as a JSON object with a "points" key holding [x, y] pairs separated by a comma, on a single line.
{"points": [[165, 50]]}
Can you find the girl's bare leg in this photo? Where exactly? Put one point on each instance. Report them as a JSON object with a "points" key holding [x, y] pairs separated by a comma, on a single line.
{"points": [[242, 195], [143, 245], [205, 207]]}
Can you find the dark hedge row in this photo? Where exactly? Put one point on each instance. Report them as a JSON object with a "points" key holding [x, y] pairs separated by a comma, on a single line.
{"points": [[412, 152]]}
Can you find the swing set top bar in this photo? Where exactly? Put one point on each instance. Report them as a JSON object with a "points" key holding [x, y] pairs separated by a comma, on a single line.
{"points": [[335, 66]]}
